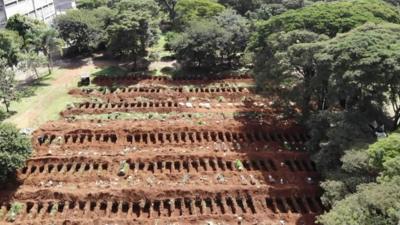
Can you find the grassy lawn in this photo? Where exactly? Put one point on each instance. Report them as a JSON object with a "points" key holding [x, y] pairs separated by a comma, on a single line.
{"points": [[45, 100], [111, 71]]}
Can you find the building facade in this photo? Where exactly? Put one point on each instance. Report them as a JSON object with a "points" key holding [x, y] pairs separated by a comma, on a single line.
{"points": [[44, 10]]}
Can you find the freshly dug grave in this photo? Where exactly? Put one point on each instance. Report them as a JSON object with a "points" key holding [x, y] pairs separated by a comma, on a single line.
{"points": [[147, 79], [248, 168]]}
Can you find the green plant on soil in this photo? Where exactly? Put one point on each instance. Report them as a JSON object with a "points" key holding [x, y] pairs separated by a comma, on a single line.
{"points": [[239, 165], [221, 99], [286, 145], [201, 123], [123, 168], [15, 209], [54, 209]]}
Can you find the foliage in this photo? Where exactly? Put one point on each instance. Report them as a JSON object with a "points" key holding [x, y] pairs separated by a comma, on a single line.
{"points": [[198, 44], [31, 62], [37, 36], [83, 30], [14, 150], [375, 203], [91, 4], [361, 68], [24, 26], [271, 7], [134, 28], [169, 6], [334, 191], [7, 85], [3, 115], [193, 10], [217, 41], [384, 150], [10, 46], [330, 18], [15, 209], [334, 132]]}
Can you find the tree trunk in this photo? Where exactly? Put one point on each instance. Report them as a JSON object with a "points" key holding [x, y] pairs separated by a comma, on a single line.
{"points": [[49, 63], [36, 72], [7, 105], [306, 95]]}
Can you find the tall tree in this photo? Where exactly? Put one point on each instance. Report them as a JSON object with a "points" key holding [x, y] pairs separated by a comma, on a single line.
{"points": [[134, 28], [80, 29], [7, 85], [10, 46], [372, 204], [220, 41], [235, 36], [362, 68], [170, 7]]}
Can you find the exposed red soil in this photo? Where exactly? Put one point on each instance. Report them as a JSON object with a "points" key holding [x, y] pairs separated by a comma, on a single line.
{"points": [[147, 79], [165, 107], [236, 170]]}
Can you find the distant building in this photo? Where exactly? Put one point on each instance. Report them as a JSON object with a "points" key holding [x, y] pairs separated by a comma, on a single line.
{"points": [[63, 5], [44, 10]]}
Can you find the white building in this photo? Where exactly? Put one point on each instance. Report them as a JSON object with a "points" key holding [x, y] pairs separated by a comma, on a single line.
{"points": [[44, 10]]}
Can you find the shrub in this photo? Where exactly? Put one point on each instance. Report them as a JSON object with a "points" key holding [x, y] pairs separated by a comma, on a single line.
{"points": [[14, 150]]}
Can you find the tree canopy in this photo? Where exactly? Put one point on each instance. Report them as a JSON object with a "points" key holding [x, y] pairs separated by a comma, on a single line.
{"points": [[14, 150], [217, 41], [190, 10], [10, 46], [375, 203]]}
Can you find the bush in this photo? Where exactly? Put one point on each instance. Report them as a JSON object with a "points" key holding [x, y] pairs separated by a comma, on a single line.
{"points": [[14, 150], [3, 115]]}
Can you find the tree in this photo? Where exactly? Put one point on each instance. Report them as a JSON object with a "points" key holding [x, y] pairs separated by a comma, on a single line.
{"points": [[23, 25], [375, 203], [31, 61], [7, 85], [191, 10], [362, 70], [248, 7], [235, 36], [170, 7], [50, 44], [91, 4], [146, 13], [198, 44], [133, 29], [384, 150], [14, 150], [82, 30], [10, 46], [217, 41], [38, 37]]}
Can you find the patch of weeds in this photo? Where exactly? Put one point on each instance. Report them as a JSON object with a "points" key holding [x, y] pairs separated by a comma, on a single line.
{"points": [[287, 146], [201, 123], [197, 115], [186, 89], [221, 99], [15, 209], [239, 165], [123, 168], [54, 209]]}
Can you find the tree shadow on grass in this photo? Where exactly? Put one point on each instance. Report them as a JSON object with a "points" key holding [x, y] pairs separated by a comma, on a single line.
{"points": [[29, 87]]}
